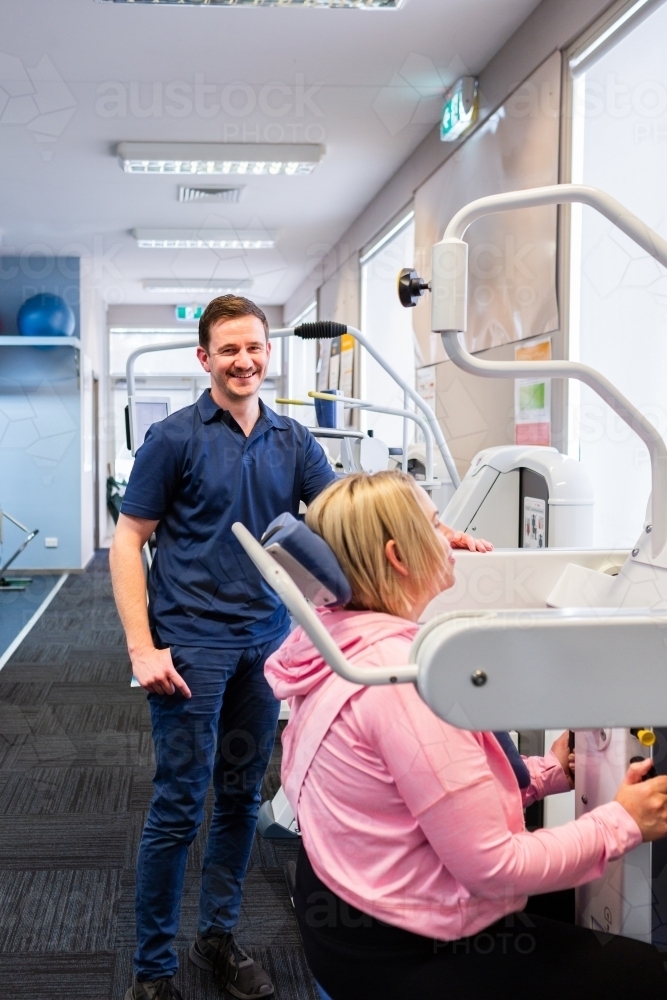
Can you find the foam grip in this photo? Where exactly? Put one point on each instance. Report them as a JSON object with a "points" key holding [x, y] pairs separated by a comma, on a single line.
{"points": [[324, 330]]}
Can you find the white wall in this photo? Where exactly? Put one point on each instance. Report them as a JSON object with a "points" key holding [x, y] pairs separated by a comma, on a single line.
{"points": [[389, 328], [94, 365], [551, 26], [620, 322]]}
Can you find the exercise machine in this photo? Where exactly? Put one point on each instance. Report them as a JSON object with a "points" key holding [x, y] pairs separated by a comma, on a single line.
{"points": [[14, 583], [562, 638]]}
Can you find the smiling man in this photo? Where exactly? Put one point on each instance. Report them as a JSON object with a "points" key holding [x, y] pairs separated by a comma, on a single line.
{"points": [[200, 646]]}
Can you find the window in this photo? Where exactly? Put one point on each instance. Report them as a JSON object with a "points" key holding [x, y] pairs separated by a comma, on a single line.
{"points": [[389, 327], [618, 318]]}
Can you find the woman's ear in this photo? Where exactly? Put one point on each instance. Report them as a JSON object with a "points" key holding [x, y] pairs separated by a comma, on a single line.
{"points": [[394, 559]]}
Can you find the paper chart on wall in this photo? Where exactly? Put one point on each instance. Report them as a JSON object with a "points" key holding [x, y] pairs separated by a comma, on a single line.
{"points": [[532, 398]]}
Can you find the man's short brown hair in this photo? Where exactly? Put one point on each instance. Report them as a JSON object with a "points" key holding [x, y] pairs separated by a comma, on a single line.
{"points": [[227, 307]]}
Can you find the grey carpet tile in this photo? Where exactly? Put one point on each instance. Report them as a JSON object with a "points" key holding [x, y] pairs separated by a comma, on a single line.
{"points": [[142, 789], [70, 719], [58, 911], [104, 749], [274, 854], [97, 693], [267, 917], [62, 841], [134, 823], [33, 673], [28, 693], [50, 790], [57, 977], [98, 670], [42, 653], [15, 720]]}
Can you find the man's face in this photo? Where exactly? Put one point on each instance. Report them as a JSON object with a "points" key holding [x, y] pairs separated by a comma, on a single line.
{"points": [[237, 357]]}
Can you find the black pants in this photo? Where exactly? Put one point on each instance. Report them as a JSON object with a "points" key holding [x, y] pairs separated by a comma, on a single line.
{"points": [[521, 957]]}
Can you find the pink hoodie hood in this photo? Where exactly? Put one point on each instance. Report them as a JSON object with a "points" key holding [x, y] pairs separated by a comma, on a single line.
{"points": [[297, 667], [297, 671]]}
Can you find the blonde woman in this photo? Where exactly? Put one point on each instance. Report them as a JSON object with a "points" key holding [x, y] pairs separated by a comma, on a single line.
{"points": [[415, 864]]}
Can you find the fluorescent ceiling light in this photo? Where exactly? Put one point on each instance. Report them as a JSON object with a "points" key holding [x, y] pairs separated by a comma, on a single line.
{"points": [[195, 239], [191, 286], [251, 159], [605, 35], [356, 4]]}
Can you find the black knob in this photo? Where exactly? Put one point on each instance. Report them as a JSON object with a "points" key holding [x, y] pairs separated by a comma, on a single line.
{"points": [[410, 287]]}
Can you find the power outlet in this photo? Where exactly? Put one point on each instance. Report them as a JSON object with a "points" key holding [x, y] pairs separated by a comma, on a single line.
{"points": [[51, 543]]}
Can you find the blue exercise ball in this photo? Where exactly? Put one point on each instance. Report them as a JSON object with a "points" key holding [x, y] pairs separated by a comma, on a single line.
{"points": [[45, 315]]}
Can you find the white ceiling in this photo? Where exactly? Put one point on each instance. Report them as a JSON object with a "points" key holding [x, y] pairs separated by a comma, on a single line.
{"points": [[377, 79]]}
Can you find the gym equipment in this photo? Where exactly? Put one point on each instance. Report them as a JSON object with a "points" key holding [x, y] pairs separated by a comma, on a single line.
{"points": [[15, 583], [562, 638], [321, 331], [45, 315], [368, 453], [530, 497]]}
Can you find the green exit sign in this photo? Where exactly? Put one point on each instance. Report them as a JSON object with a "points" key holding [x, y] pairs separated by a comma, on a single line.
{"points": [[189, 312], [460, 109]]}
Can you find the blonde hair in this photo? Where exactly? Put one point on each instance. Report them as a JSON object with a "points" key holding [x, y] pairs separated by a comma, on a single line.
{"points": [[357, 516]]}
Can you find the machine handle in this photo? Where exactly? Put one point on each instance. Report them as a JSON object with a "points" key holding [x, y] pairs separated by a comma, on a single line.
{"points": [[651, 773], [322, 330]]}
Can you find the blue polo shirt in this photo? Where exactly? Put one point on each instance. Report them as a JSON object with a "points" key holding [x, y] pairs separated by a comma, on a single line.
{"points": [[197, 473]]}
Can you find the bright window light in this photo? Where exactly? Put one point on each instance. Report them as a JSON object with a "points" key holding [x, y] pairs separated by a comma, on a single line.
{"points": [[218, 158], [191, 286], [356, 4], [576, 62], [198, 239]]}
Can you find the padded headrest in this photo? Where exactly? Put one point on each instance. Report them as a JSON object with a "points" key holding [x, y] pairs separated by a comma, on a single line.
{"points": [[308, 560]]}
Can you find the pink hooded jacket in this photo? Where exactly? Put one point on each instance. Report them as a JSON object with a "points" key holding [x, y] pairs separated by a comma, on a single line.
{"points": [[407, 818]]}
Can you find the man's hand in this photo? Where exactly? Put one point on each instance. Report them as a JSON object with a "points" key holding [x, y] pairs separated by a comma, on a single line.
{"points": [[459, 540], [155, 671], [561, 748]]}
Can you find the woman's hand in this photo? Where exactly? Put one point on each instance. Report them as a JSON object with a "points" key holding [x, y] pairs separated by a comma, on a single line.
{"points": [[646, 801], [459, 540], [561, 748]]}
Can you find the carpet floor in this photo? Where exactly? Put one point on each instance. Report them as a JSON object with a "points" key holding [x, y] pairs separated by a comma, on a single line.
{"points": [[75, 783], [18, 606]]}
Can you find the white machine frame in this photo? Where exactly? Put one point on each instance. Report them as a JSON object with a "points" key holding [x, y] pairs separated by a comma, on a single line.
{"points": [[432, 431]]}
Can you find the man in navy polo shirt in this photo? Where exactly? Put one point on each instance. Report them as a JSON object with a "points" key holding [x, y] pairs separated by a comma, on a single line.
{"points": [[200, 646]]}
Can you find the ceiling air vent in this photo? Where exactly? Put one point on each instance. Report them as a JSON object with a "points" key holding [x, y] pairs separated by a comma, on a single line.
{"points": [[228, 194], [358, 4]]}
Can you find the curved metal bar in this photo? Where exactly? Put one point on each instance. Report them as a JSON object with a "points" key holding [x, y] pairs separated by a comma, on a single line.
{"points": [[557, 194], [129, 367], [288, 592], [406, 414], [608, 392], [649, 241], [417, 400]]}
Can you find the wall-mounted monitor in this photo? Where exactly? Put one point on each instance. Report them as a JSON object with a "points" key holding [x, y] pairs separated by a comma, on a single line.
{"points": [[140, 414]]}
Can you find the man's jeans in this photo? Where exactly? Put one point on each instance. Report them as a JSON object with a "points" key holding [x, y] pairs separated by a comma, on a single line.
{"points": [[225, 731]]}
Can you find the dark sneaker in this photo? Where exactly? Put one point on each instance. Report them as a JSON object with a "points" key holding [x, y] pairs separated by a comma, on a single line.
{"points": [[233, 969], [157, 989]]}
